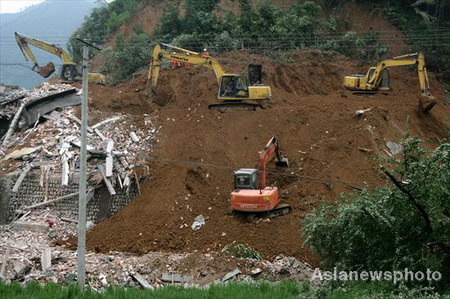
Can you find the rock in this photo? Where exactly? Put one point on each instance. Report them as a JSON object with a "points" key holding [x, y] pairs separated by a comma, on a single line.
{"points": [[394, 148]]}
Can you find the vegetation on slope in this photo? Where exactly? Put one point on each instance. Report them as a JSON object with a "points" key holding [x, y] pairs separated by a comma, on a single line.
{"points": [[267, 29], [391, 228]]}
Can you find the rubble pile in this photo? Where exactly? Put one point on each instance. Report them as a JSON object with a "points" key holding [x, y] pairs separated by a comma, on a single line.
{"points": [[36, 255], [116, 146], [11, 97]]}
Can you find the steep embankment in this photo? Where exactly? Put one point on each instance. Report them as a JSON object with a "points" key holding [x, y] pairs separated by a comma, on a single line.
{"points": [[314, 118]]}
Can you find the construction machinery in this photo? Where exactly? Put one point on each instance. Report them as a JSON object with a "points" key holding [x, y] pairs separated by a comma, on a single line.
{"points": [[251, 193], [234, 90], [377, 78], [70, 71]]}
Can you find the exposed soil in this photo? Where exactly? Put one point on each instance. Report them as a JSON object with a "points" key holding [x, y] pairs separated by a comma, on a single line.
{"points": [[314, 118]]}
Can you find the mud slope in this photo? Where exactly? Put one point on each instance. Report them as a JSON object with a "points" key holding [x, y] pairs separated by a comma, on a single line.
{"points": [[314, 118]]}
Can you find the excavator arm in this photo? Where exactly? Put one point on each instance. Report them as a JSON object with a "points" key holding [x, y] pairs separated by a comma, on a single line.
{"points": [[374, 78], [24, 41], [264, 156], [160, 52]]}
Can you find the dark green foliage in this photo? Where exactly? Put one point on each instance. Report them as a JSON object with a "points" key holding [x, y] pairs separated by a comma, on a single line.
{"points": [[104, 20], [385, 229], [129, 56], [365, 46]]}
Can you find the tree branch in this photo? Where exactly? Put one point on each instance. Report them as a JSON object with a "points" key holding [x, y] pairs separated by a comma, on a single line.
{"points": [[411, 198]]}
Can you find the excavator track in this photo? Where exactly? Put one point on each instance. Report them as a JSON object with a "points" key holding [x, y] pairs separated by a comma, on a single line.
{"points": [[364, 92], [232, 105], [279, 210]]}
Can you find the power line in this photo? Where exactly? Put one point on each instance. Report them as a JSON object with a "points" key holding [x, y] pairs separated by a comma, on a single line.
{"points": [[232, 168]]}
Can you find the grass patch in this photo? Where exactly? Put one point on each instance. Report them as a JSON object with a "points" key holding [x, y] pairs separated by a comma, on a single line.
{"points": [[282, 290]]}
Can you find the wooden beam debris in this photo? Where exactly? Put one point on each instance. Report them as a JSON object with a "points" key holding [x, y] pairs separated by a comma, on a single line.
{"points": [[106, 180], [134, 137], [102, 137], [13, 124], [106, 121], [73, 117], [109, 158], [21, 178]]}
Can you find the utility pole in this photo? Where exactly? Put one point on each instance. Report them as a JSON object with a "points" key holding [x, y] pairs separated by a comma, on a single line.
{"points": [[81, 265]]}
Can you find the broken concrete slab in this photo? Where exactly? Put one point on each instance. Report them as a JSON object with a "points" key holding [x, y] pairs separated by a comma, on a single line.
{"points": [[46, 259], [38, 227], [175, 278], [17, 154], [231, 274], [41, 106], [142, 281], [394, 148]]}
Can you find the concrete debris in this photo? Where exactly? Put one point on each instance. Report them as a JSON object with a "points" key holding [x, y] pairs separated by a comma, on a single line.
{"points": [[362, 111], [39, 227], [394, 148], [118, 143], [142, 281], [199, 221], [175, 278], [231, 274], [18, 154], [46, 259], [285, 265], [26, 257]]}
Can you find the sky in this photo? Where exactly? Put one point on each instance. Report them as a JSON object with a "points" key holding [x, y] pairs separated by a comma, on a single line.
{"points": [[11, 6]]}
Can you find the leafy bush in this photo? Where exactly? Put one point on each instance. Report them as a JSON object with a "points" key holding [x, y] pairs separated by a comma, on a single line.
{"points": [[404, 226], [241, 251], [365, 47]]}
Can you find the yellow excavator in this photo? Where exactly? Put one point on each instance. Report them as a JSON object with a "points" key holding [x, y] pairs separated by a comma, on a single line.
{"points": [[70, 71], [377, 78], [234, 90]]}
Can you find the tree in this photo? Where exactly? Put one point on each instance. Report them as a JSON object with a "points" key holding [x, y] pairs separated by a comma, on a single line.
{"points": [[405, 225]]}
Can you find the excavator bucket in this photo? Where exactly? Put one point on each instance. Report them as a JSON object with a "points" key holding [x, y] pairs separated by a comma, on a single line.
{"points": [[426, 103], [284, 162], [46, 71]]}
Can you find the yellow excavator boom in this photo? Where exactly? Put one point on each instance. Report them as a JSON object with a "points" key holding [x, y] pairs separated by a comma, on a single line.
{"points": [[184, 56], [377, 78], [232, 87], [69, 71]]}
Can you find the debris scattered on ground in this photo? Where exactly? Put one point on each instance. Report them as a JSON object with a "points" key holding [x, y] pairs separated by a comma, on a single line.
{"points": [[40, 256], [199, 221], [116, 145], [394, 148]]}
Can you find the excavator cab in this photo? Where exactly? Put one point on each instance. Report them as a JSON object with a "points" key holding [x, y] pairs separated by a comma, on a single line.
{"points": [[70, 73], [246, 178], [233, 87]]}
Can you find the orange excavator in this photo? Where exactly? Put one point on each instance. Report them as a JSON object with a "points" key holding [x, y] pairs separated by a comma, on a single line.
{"points": [[251, 194]]}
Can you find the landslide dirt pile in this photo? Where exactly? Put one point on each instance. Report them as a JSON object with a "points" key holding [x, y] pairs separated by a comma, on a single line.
{"points": [[330, 150]]}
